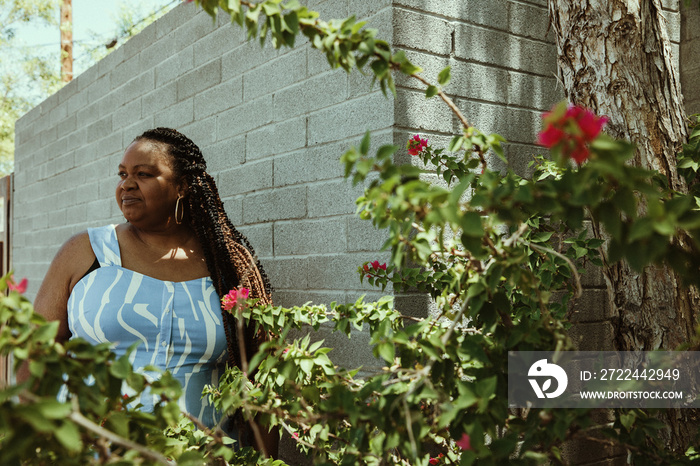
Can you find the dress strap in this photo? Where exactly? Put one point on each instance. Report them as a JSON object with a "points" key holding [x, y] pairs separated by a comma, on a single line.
{"points": [[105, 245]]}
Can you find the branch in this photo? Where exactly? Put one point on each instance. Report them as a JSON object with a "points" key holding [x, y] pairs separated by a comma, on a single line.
{"points": [[447, 100], [572, 266], [78, 418]]}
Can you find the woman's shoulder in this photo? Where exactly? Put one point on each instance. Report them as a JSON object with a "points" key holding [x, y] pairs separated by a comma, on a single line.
{"points": [[77, 250]]}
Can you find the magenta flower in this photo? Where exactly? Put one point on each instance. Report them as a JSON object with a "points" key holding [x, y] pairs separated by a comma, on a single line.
{"points": [[295, 435], [20, 287], [464, 443], [231, 299], [416, 145], [571, 132], [372, 266]]}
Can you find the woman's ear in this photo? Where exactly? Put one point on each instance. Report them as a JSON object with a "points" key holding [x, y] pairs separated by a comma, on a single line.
{"points": [[183, 189]]}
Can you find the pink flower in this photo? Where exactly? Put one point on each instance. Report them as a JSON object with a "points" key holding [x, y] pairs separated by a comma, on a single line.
{"points": [[295, 435], [464, 443], [230, 301], [570, 131], [20, 287], [416, 145]]}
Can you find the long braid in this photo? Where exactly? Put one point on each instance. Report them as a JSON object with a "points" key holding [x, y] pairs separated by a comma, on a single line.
{"points": [[229, 256]]}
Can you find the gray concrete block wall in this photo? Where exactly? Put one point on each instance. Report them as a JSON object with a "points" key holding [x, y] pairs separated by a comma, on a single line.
{"points": [[503, 68], [272, 123], [690, 56]]}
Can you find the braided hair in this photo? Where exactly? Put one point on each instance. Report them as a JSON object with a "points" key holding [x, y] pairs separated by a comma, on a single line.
{"points": [[229, 256]]}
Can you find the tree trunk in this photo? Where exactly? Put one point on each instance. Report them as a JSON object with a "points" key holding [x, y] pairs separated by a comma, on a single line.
{"points": [[615, 58]]}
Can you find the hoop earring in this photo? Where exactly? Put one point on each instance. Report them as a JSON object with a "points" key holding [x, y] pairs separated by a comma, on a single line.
{"points": [[182, 211]]}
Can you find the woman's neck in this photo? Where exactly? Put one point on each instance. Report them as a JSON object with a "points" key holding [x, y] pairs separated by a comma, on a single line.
{"points": [[168, 238]]}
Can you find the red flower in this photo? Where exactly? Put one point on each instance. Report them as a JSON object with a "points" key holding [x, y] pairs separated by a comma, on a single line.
{"points": [[372, 266], [20, 287], [464, 443], [570, 131], [416, 145]]}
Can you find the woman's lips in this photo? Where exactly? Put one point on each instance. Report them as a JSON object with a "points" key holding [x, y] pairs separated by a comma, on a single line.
{"points": [[128, 200]]}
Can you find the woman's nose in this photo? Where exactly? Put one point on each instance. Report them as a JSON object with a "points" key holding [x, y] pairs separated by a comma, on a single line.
{"points": [[128, 183]]}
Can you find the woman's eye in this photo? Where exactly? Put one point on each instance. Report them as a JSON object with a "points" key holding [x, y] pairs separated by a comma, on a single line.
{"points": [[144, 174], [121, 174]]}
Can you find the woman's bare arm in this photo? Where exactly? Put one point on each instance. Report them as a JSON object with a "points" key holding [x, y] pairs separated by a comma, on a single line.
{"points": [[67, 268]]}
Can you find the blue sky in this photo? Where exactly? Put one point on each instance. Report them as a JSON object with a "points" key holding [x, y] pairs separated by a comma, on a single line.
{"points": [[94, 24]]}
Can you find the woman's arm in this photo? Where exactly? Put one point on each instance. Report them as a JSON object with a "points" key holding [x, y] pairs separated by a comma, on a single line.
{"points": [[73, 259]]}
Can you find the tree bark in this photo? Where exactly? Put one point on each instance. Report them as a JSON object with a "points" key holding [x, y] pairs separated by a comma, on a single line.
{"points": [[614, 57]]}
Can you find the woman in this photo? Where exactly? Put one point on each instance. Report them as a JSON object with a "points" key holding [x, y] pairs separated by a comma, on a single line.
{"points": [[158, 278]]}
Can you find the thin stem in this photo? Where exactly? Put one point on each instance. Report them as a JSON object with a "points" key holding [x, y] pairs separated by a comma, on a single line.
{"points": [[447, 100], [409, 428], [77, 417], [572, 266], [244, 367]]}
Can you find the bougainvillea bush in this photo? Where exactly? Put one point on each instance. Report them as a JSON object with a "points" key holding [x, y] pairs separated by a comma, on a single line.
{"points": [[500, 255]]}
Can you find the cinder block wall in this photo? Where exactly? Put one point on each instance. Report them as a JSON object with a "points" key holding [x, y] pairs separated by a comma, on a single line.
{"points": [[690, 56], [272, 125]]}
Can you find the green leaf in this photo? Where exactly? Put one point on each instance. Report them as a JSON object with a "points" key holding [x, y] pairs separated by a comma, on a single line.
{"points": [[409, 68], [444, 77], [306, 365], [69, 436], [467, 459], [642, 228], [627, 420], [387, 351], [471, 224], [121, 368], [386, 151], [456, 143], [364, 144], [431, 91], [53, 409], [191, 458]]}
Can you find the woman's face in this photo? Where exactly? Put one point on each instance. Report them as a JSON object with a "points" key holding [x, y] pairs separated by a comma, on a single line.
{"points": [[147, 190]]}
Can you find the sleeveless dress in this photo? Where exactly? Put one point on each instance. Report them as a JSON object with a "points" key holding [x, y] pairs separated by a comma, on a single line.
{"points": [[178, 324]]}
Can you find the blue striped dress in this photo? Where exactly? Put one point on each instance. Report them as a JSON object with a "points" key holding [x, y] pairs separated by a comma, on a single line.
{"points": [[178, 324]]}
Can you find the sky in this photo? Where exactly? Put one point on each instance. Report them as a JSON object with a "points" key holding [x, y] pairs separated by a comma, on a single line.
{"points": [[94, 24]]}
